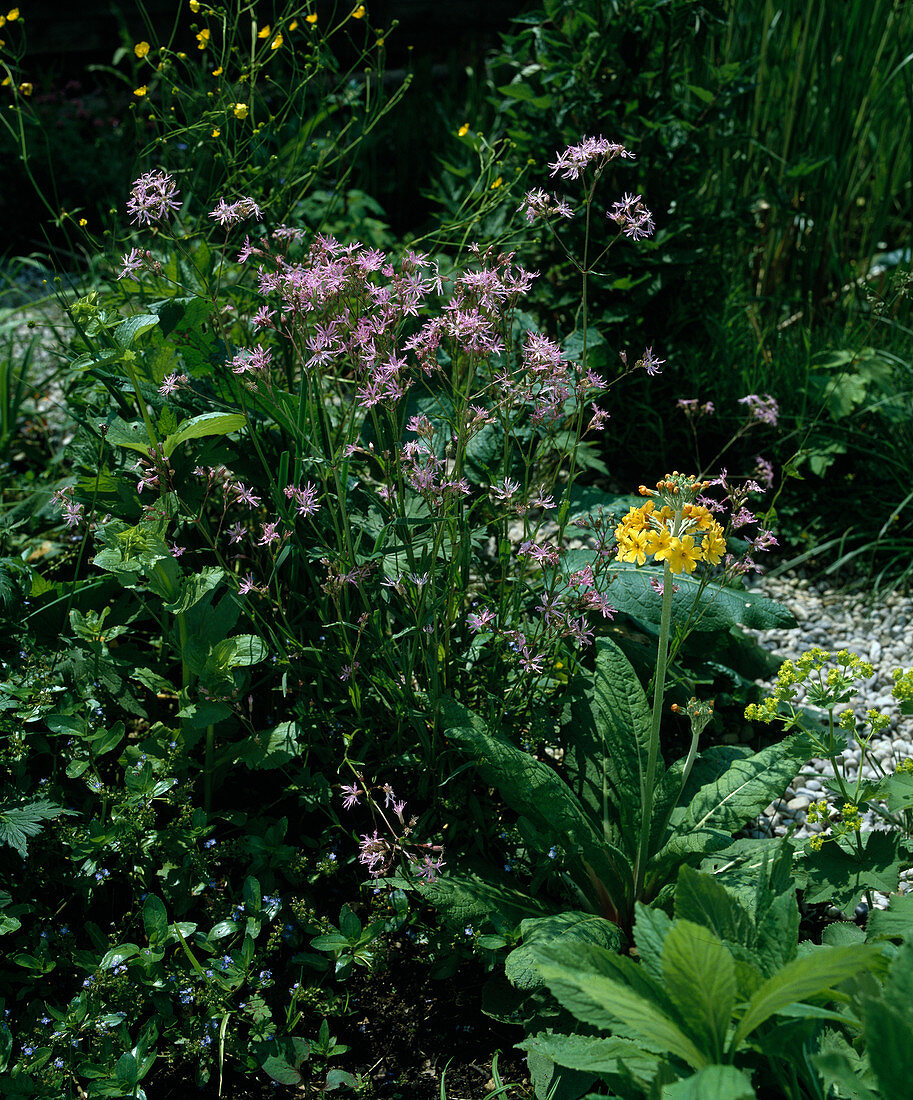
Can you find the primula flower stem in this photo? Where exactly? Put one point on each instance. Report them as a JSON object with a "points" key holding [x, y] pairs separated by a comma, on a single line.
{"points": [[648, 779]]}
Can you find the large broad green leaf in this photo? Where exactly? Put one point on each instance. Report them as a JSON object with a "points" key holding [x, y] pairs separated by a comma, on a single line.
{"points": [[712, 1083], [534, 789], [206, 424], [272, 749], [750, 784], [804, 977], [623, 720], [600, 1001], [593, 1054], [134, 436], [562, 929], [708, 609], [840, 876]]}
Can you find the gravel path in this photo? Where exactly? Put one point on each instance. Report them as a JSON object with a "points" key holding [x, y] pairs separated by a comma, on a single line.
{"points": [[880, 630]]}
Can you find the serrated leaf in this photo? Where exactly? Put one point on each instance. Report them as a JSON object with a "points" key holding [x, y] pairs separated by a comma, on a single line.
{"points": [[712, 1083], [600, 1001], [650, 930], [840, 876], [592, 1054], [469, 899], [562, 929], [204, 425], [194, 588], [804, 977], [889, 1040], [19, 823], [273, 750], [133, 436], [699, 978], [895, 922]]}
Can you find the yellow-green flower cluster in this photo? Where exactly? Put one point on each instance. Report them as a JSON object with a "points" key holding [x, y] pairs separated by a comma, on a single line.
{"points": [[903, 685], [829, 679], [671, 528]]}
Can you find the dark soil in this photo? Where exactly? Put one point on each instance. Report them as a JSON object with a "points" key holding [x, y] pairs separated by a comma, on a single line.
{"points": [[406, 1033]]}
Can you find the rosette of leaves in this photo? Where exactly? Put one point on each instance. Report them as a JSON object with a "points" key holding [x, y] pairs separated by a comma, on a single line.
{"points": [[723, 999], [589, 807]]}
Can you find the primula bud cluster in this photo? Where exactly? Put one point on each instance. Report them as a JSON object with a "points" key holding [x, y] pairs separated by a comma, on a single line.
{"points": [[678, 531]]}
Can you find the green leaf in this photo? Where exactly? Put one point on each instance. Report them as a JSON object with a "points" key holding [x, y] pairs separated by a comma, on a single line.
{"points": [[895, 922], [606, 1002], [116, 955], [134, 436], [194, 588], [712, 1083], [468, 899], [18, 823], [561, 929], [898, 791], [592, 1054], [702, 900], [699, 978], [125, 1072], [750, 784], [840, 876], [889, 1041], [650, 930], [534, 789], [127, 331], [274, 749], [711, 609], [804, 977], [155, 919], [206, 424]]}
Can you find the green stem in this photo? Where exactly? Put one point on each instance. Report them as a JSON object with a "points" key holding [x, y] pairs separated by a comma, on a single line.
{"points": [[207, 772], [648, 780]]}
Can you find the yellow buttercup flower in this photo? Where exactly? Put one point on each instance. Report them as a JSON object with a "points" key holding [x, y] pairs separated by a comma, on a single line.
{"points": [[203, 39], [194, 6], [359, 12], [217, 72], [276, 42], [216, 132], [26, 88], [241, 110], [6, 80], [312, 18], [12, 15], [141, 49], [140, 92], [2, 20], [264, 33], [463, 130], [83, 222], [497, 183]]}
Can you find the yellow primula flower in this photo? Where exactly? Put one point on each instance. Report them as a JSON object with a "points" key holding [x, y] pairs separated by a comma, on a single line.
{"points": [[359, 12], [634, 549], [463, 130], [264, 33], [241, 110], [217, 72], [203, 39], [276, 42], [713, 545], [26, 88], [659, 544], [683, 555], [141, 49]]}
